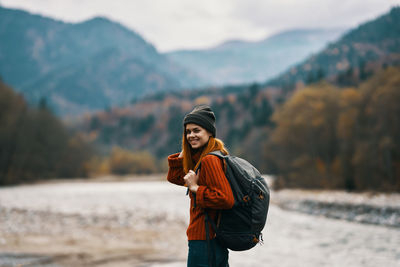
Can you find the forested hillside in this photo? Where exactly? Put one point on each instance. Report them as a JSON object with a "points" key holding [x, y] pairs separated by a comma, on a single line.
{"points": [[352, 59], [324, 136], [155, 124]]}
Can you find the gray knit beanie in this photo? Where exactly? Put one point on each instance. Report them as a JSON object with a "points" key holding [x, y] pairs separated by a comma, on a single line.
{"points": [[202, 115]]}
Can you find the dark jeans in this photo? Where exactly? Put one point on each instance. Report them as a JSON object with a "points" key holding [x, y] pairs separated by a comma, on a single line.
{"points": [[198, 254]]}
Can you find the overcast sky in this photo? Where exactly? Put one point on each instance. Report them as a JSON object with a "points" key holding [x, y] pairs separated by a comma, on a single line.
{"points": [[191, 24]]}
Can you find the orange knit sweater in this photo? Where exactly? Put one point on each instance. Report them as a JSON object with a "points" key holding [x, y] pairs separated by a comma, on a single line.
{"points": [[214, 192]]}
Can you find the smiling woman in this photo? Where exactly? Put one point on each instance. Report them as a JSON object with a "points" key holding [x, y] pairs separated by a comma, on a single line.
{"points": [[209, 188]]}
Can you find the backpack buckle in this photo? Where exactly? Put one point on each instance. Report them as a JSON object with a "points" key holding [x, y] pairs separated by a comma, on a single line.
{"points": [[255, 240]]}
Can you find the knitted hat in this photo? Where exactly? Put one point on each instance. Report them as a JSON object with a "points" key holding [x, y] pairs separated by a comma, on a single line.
{"points": [[203, 116]]}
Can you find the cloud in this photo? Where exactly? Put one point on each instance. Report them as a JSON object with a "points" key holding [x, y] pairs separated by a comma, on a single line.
{"points": [[173, 24], [285, 14]]}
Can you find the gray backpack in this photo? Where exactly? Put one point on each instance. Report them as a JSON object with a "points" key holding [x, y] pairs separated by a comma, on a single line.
{"points": [[240, 228]]}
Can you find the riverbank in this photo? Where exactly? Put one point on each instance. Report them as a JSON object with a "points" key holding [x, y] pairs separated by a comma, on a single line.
{"points": [[92, 223], [370, 208], [141, 223], [45, 238]]}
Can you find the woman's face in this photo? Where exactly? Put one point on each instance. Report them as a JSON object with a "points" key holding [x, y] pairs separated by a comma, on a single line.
{"points": [[196, 135]]}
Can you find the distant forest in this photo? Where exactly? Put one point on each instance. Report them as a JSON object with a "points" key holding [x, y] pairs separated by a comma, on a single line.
{"points": [[324, 136], [35, 145]]}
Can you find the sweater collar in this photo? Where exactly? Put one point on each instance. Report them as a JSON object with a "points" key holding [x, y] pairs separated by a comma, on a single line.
{"points": [[196, 156]]}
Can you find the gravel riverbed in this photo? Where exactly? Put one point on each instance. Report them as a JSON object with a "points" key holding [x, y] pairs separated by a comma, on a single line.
{"points": [[370, 208], [142, 223]]}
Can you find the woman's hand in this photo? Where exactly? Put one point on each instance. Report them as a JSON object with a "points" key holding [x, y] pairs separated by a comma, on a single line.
{"points": [[191, 179], [180, 155]]}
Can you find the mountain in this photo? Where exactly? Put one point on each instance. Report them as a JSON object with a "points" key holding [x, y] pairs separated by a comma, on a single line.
{"points": [[84, 66], [353, 58], [236, 61]]}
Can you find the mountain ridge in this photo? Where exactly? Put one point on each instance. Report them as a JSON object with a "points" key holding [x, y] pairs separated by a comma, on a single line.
{"points": [[239, 61], [36, 47], [366, 48]]}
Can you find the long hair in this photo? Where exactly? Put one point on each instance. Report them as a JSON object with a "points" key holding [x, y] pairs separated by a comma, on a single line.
{"points": [[212, 145]]}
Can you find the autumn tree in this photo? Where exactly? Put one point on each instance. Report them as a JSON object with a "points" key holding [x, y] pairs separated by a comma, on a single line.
{"points": [[377, 155], [348, 129], [348, 138], [123, 161], [306, 136]]}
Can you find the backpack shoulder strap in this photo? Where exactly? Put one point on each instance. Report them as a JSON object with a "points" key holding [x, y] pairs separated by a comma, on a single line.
{"points": [[217, 153], [220, 155]]}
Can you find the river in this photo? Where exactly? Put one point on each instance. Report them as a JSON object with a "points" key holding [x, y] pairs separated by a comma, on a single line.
{"points": [[140, 223]]}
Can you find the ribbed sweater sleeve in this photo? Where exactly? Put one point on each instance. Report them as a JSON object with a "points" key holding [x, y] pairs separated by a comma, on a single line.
{"points": [[175, 171], [216, 192]]}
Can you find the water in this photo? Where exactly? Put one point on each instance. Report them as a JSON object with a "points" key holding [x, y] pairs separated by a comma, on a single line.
{"points": [[290, 238]]}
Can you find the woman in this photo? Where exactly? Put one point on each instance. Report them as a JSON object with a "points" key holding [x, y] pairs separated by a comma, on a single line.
{"points": [[208, 189]]}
